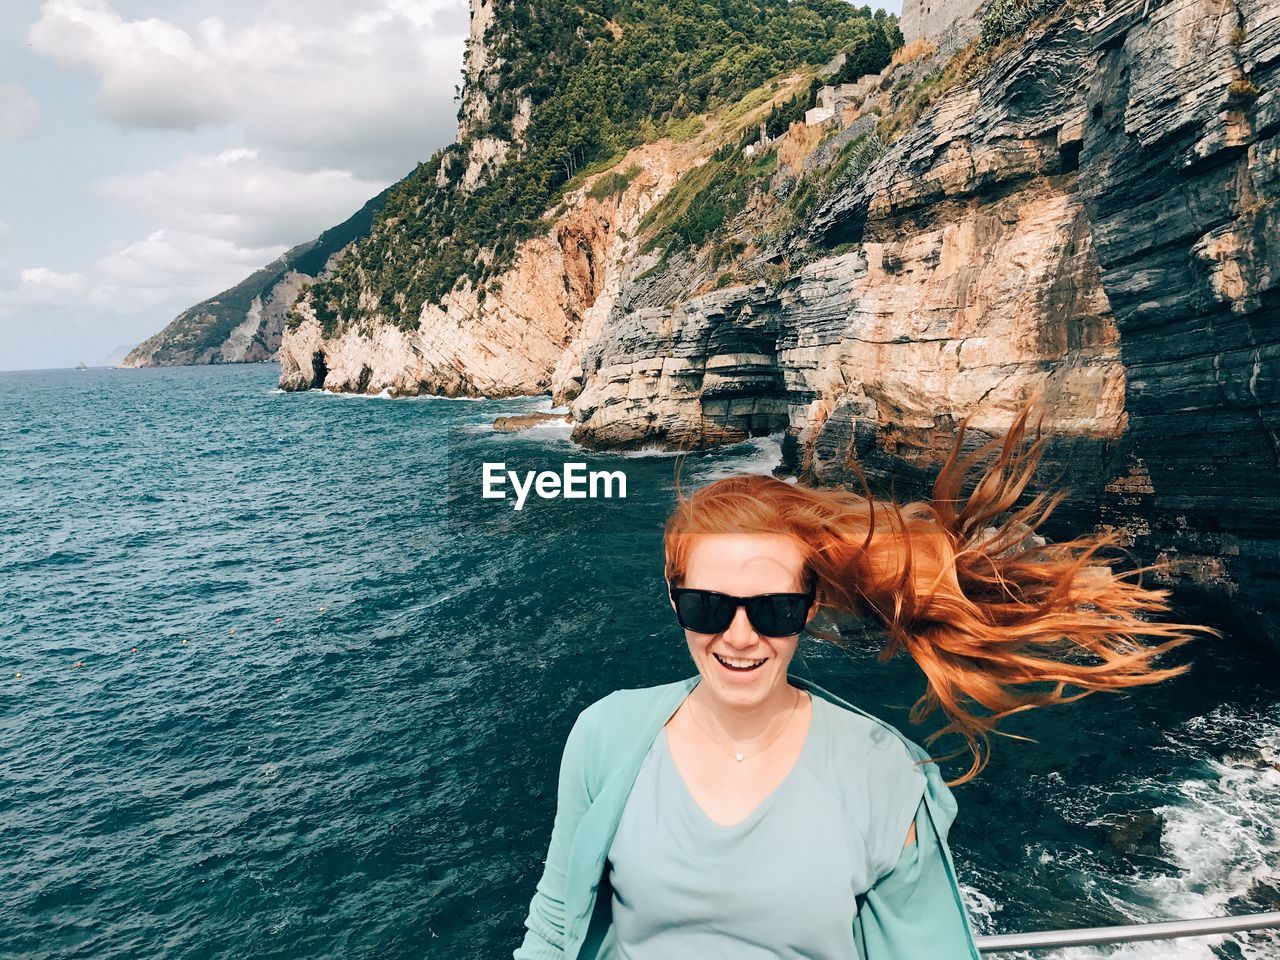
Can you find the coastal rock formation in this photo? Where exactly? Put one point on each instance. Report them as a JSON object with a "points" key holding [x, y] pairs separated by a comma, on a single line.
{"points": [[1088, 215], [973, 281], [1094, 217], [1180, 166], [1139, 832], [522, 421], [511, 338], [199, 335]]}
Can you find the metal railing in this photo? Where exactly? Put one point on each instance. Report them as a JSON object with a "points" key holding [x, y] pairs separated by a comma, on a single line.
{"points": [[1166, 930]]}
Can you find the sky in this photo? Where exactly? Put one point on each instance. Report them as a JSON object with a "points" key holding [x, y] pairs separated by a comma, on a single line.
{"points": [[155, 152]]}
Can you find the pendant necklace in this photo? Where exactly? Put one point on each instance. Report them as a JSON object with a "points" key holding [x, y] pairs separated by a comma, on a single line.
{"points": [[741, 756]]}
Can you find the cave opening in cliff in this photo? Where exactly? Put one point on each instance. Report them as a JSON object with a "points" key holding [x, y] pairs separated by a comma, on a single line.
{"points": [[1069, 155], [319, 369]]}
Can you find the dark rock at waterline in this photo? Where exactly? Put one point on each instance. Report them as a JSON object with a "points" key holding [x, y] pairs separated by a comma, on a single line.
{"points": [[1252, 757], [523, 420], [1263, 896], [1266, 893], [1133, 833]]}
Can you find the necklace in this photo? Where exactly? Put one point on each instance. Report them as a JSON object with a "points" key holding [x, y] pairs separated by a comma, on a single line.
{"points": [[741, 756]]}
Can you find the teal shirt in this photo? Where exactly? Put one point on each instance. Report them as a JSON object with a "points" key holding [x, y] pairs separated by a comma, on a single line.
{"points": [[783, 882], [914, 911]]}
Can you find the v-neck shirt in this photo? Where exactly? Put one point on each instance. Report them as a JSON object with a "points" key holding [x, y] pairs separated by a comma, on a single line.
{"points": [[782, 882]]}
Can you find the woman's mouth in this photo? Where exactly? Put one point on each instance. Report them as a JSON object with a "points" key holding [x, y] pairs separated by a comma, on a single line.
{"points": [[738, 664]]}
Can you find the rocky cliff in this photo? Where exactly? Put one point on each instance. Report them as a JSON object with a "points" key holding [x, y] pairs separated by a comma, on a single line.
{"points": [[1094, 217], [506, 248], [524, 331], [1088, 212]]}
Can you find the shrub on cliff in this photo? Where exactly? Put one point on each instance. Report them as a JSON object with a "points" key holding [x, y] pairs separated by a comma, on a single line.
{"points": [[870, 53], [699, 205], [1007, 18], [613, 183], [815, 187]]}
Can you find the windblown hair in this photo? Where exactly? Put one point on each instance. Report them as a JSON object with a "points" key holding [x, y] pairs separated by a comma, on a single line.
{"points": [[984, 608]]}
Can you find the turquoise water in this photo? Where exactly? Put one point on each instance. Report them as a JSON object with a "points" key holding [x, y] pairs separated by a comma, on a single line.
{"points": [[286, 692]]}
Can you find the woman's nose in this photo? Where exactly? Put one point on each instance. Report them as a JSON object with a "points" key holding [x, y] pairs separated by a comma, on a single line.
{"points": [[740, 633]]}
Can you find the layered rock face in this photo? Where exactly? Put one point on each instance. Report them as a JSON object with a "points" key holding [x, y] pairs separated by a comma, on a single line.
{"points": [[1180, 167], [511, 338], [1095, 220], [972, 281]]}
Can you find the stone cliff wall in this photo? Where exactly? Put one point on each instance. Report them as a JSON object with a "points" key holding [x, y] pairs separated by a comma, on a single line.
{"points": [[1094, 219], [525, 332], [511, 338], [931, 19], [1180, 166]]}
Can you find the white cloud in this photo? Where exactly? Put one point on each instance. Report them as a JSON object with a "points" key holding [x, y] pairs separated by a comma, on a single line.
{"points": [[167, 271], [41, 283], [238, 197], [366, 86], [170, 264], [151, 72], [19, 113]]}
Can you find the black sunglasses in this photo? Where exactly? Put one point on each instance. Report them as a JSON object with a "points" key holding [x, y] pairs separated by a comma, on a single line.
{"points": [[771, 614]]}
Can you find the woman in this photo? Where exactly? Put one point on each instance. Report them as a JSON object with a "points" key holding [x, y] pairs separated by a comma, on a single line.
{"points": [[745, 813]]}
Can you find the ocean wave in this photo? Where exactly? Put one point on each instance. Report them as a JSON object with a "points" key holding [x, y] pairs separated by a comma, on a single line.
{"points": [[1220, 832], [759, 455]]}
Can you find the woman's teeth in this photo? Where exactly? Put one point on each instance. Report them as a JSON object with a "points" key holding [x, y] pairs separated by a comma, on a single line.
{"points": [[734, 663]]}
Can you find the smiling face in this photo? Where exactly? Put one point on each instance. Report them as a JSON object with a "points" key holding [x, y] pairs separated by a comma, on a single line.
{"points": [[744, 565]]}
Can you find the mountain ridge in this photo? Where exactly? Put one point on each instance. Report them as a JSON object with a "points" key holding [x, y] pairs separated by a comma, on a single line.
{"points": [[245, 322]]}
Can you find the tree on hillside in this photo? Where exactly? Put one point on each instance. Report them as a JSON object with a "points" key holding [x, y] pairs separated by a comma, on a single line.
{"points": [[872, 52]]}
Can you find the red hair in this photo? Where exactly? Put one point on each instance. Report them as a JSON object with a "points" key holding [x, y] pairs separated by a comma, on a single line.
{"points": [[983, 608]]}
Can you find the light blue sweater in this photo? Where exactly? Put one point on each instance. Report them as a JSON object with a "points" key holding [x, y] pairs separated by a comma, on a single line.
{"points": [[914, 912]]}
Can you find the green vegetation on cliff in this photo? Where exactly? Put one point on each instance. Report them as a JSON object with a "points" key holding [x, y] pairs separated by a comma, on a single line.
{"points": [[601, 76], [1008, 18], [697, 207]]}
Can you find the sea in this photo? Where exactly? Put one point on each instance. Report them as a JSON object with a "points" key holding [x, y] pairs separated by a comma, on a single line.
{"points": [[277, 680]]}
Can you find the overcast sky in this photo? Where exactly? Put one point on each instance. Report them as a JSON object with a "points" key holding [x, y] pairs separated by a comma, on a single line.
{"points": [[156, 152]]}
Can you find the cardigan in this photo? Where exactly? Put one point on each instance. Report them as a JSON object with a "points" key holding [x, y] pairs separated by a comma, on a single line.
{"points": [[914, 912]]}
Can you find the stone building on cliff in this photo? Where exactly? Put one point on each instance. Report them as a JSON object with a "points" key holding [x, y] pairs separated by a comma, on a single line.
{"points": [[948, 23]]}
